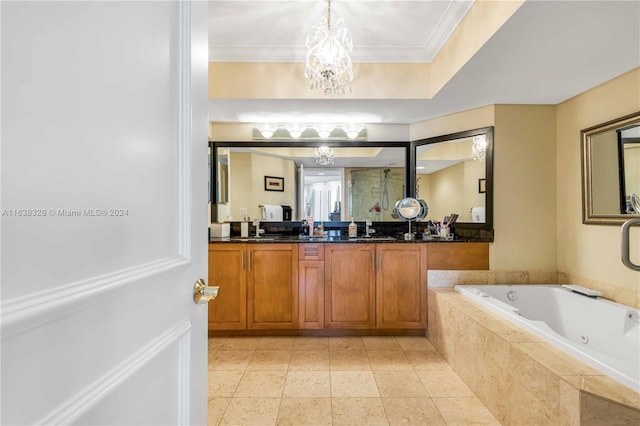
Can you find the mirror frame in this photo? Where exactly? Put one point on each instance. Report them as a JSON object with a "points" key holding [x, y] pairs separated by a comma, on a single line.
{"points": [[588, 216], [214, 145], [488, 132]]}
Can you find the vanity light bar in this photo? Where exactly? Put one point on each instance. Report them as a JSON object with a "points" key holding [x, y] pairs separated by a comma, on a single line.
{"points": [[300, 131]]}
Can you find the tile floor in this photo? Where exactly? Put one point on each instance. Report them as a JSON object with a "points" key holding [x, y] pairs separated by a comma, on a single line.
{"points": [[336, 381]]}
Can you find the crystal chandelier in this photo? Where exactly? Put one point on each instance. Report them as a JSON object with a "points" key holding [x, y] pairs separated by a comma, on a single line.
{"points": [[328, 65], [479, 149], [324, 155]]}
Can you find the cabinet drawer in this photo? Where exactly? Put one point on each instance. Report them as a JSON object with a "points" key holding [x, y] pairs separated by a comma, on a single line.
{"points": [[311, 251]]}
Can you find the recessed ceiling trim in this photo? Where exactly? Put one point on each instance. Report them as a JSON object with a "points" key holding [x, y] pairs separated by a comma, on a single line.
{"points": [[449, 21], [421, 47]]}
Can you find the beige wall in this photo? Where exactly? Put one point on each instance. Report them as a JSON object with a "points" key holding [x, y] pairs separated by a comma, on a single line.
{"points": [[524, 188], [592, 251], [286, 80]]}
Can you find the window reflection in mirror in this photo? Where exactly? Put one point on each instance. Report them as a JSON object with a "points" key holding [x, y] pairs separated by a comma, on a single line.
{"points": [[363, 182], [611, 171], [454, 175]]}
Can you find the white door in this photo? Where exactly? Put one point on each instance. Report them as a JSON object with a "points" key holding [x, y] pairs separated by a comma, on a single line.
{"points": [[104, 194]]}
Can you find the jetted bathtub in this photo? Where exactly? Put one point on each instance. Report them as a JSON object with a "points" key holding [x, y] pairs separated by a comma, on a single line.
{"points": [[601, 333]]}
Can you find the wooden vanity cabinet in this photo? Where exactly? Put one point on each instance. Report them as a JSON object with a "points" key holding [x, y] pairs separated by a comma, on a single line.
{"points": [[272, 286], [350, 286], [228, 311], [258, 286], [279, 286], [401, 286], [311, 285]]}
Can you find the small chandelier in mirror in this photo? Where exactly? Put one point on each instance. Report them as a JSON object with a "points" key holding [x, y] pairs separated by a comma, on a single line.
{"points": [[324, 155], [479, 149], [328, 65]]}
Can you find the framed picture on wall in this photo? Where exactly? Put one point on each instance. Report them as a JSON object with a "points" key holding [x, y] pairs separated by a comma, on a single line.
{"points": [[482, 185], [272, 183]]}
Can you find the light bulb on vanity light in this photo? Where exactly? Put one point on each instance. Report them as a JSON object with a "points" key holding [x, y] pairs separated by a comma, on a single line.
{"points": [[324, 130], [266, 129], [295, 130], [353, 130]]}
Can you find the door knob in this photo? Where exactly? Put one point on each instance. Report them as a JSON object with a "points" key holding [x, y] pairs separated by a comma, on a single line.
{"points": [[202, 293]]}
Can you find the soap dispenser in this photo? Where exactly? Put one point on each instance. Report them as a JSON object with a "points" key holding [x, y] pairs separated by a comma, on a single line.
{"points": [[353, 229]]}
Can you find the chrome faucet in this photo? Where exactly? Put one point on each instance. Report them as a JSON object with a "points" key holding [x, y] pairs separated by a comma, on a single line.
{"points": [[367, 230], [256, 223]]}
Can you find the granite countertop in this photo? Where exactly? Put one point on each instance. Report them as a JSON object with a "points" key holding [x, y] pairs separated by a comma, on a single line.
{"points": [[274, 239]]}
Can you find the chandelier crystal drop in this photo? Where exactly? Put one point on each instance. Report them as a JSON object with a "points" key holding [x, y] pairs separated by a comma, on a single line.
{"points": [[328, 64], [479, 149], [324, 155]]}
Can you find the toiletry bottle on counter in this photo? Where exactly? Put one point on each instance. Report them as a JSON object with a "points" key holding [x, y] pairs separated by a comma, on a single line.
{"points": [[353, 229]]}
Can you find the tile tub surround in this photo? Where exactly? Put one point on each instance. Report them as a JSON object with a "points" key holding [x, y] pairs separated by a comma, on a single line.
{"points": [[336, 380], [520, 378]]}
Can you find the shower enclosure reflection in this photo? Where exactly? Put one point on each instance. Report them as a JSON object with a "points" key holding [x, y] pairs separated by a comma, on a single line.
{"points": [[374, 191]]}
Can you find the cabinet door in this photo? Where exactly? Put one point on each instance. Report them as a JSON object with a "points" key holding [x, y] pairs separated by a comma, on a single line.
{"points": [[350, 286], [272, 286], [311, 293], [227, 269], [401, 286]]}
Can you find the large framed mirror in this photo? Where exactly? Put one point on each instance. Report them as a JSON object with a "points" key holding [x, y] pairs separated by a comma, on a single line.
{"points": [[358, 179], [611, 171], [454, 174]]}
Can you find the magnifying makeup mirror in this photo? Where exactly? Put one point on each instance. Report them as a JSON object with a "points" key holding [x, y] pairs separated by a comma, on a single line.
{"points": [[410, 209]]}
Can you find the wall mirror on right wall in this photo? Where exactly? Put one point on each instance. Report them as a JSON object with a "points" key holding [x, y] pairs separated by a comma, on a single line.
{"points": [[454, 174], [611, 171]]}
